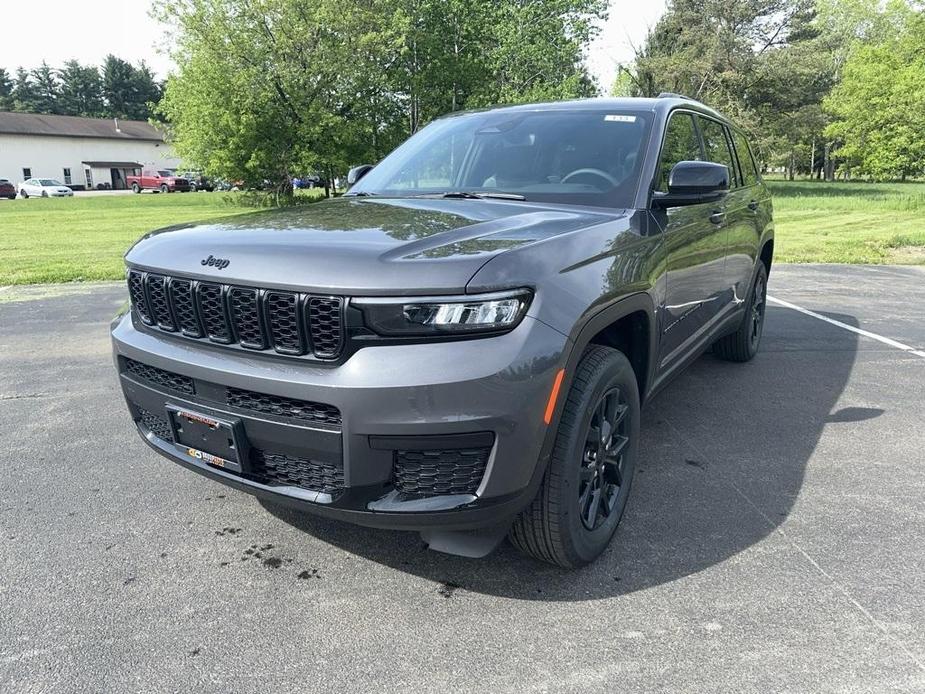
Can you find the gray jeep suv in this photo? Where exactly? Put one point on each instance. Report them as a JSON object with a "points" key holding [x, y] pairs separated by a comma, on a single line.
{"points": [[461, 344]]}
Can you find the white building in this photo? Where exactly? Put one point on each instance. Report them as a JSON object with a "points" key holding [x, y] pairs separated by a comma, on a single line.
{"points": [[80, 152]]}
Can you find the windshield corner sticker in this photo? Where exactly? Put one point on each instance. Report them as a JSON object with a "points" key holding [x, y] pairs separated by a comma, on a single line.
{"points": [[616, 118]]}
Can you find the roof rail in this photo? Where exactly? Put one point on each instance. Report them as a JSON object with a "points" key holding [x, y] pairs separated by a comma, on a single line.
{"points": [[672, 95]]}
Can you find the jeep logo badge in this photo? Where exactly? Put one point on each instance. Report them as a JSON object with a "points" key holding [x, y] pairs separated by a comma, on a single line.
{"points": [[217, 263]]}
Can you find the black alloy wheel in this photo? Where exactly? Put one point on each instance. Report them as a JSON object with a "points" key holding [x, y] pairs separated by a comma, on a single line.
{"points": [[759, 301], [602, 462], [742, 345]]}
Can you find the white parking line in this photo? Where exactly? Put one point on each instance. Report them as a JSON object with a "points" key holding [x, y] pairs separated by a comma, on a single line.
{"points": [[865, 333]]}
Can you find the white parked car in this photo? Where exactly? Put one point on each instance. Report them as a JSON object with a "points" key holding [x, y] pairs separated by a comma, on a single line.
{"points": [[44, 188]]}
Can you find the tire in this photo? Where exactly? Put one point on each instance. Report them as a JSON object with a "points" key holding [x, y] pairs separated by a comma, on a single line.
{"points": [[136, 188], [44, 193], [165, 188], [559, 526], [24, 194], [742, 345], [192, 188]]}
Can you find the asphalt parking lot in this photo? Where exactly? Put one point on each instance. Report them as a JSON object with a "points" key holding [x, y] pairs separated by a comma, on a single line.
{"points": [[774, 541]]}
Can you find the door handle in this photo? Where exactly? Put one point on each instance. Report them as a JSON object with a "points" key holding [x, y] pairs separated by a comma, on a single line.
{"points": [[717, 217], [753, 205]]}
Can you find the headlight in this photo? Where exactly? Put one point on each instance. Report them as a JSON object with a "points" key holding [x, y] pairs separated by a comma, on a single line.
{"points": [[450, 315]]}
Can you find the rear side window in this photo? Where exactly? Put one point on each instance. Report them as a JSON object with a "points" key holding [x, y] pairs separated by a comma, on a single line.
{"points": [[746, 160], [681, 144], [717, 147]]}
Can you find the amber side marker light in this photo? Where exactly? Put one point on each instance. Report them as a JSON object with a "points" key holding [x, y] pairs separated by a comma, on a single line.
{"points": [[553, 396]]}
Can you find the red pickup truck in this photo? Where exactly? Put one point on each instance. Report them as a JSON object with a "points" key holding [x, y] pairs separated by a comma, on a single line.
{"points": [[161, 180]]}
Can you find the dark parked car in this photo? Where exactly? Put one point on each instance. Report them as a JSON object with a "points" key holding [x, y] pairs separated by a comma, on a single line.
{"points": [[461, 344], [7, 189], [198, 182]]}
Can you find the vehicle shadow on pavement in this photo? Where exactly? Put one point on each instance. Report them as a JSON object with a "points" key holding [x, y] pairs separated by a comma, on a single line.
{"points": [[723, 454]]}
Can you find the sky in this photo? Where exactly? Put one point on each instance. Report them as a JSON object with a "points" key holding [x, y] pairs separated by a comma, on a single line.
{"points": [[90, 29]]}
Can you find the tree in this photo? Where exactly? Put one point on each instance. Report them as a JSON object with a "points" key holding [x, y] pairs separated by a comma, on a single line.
{"points": [[25, 97], [274, 88], [6, 91], [118, 87], [146, 92], [879, 105], [81, 90]]}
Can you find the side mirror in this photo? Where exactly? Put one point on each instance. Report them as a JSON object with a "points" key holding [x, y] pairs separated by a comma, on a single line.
{"points": [[357, 172], [692, 183]]}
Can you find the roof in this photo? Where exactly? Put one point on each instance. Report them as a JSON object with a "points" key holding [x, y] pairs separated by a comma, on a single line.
{"points": [[113, 164], [74, 126], [663, 103]]}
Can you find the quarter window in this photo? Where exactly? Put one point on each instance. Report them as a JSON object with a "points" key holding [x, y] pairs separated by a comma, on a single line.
{"points": [[746, 160], [681, 144], [717, 147]]}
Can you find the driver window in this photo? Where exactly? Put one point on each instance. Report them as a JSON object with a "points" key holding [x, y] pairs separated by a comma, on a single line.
{"points": [[681, 144]]}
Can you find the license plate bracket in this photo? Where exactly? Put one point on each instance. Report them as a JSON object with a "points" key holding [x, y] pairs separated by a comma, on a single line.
{"points": [[217, 442]]}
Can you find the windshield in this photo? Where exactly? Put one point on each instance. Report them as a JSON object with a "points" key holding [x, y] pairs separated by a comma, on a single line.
{"points": [[579, 157], [165, 172], [50, 182]]}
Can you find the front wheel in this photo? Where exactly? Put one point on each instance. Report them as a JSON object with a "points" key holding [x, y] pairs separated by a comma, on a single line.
{"points": [[136, 188], [742, 345], [24, 194], [165, 188], [44, 193], [579, 505]]}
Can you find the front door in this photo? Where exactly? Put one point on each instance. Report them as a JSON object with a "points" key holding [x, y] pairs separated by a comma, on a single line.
{"points": [[695, 241]]}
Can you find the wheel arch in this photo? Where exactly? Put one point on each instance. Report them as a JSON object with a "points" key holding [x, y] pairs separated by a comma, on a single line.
{"points": [[767, 253], [627, 325]]}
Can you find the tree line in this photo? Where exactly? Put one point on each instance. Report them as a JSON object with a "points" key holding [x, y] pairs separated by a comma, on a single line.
{"points": [[116, 89], [828, 87]]}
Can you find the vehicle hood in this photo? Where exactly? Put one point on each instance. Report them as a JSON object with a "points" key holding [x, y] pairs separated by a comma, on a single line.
{"points": [[359, 246]]}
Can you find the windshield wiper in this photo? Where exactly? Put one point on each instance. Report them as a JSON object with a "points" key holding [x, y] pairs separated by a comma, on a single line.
{"points": [[469, 195], [359, 194]]}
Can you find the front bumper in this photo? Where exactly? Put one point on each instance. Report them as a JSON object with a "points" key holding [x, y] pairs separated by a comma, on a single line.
{"points": [[485, 395]]}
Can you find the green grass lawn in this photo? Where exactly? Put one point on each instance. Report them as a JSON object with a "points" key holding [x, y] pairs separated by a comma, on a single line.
{"points": [[83, 238], [820, 222]]}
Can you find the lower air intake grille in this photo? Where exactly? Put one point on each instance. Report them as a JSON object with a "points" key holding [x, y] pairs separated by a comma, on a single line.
{"points": [[275, 469], [159, 377], [156, 425], [283, 407], [437, 472]]}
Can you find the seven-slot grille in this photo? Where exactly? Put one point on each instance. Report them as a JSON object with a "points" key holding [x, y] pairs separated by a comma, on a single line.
{"points": [[289, 323]]}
